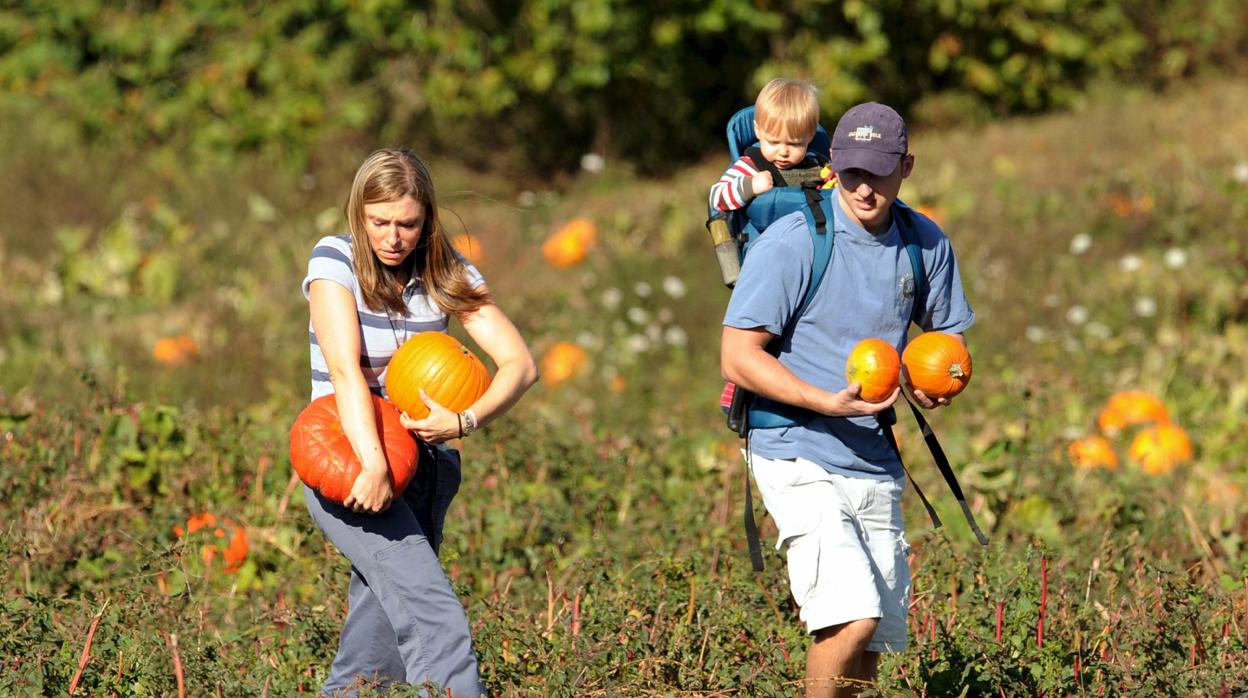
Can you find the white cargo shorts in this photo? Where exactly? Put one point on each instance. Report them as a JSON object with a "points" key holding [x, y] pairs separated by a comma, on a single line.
{"points": [[846, 546]]}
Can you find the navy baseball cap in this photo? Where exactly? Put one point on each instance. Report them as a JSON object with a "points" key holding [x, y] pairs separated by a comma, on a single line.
{"points": [[870, 136]]}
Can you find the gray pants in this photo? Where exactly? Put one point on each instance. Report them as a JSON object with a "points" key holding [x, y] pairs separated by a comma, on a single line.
{"points": [[404, 622]]}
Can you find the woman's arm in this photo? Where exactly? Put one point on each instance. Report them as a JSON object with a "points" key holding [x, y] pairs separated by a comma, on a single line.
{"points": [[494, 332], [337, 327], [744, 360]]}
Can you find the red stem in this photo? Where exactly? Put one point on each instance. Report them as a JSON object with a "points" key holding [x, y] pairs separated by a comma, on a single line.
{"points": [[86, 653], [1044, 599], [1000, 618]]}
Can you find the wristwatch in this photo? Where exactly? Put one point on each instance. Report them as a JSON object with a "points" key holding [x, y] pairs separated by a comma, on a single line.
{"points": [[468, 420]]}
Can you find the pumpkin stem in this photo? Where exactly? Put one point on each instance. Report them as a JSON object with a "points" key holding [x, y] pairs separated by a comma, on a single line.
{"points": [[955, 371]]}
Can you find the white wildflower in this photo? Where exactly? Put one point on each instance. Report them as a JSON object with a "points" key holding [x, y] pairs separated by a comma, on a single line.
{"points": [[589, 340], [592, 163], [1080, 243], [1145, 306], [676, 336], [642, 289], [637, 316], [1131, 263], [636, 343], [1036, 334], [1072, 432], [674, 286], [526, 199], [1240, 172], [1077, 315], [611, 298], [1176, 257], [1099, 330], [665, 315], [1052, 300]]}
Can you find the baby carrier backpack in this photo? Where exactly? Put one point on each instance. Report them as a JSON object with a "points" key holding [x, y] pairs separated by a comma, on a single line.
{"points": [[733, 232]]}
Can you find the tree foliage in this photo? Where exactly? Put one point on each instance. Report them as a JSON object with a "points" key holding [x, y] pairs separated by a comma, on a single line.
{"points": [[552, 79]]}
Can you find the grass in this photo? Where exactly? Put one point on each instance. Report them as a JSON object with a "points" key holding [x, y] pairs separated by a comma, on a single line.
{"points": [[596, 541]]}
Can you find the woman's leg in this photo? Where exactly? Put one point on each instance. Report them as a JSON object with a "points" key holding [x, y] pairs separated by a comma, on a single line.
{"points": [[367, 648], [394, 558]]}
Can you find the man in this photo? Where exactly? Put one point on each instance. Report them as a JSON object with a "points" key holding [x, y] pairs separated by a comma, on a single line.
{"points": [[830, 480]]}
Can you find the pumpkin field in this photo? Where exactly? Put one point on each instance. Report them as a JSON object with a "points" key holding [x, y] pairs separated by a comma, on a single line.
{"points": [[154, 355]]}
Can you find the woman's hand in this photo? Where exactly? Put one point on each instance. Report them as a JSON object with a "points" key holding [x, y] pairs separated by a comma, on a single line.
{"points": [[440, 425], [371, 492]]}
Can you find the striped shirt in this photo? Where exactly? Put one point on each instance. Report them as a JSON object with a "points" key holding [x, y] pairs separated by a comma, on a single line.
{"points": [[381, 332]]}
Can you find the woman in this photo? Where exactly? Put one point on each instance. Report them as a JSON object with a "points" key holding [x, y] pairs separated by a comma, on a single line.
{"points": [[393, 276]]}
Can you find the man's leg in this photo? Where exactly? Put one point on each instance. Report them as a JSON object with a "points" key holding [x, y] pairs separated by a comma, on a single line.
{"points": [[840, 652]]}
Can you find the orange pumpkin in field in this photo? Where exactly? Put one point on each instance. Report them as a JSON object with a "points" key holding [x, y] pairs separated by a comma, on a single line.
{"points": [[874, 364], [1131, 407], [324, 459], [446, 370], [1161, 447], [938, 364]]}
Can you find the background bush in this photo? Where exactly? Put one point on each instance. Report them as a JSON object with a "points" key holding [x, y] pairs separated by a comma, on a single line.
{"points": [[545, 81]]}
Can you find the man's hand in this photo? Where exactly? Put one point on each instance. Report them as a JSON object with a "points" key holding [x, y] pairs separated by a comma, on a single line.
{"points": [[927, 403], [849, 402]]}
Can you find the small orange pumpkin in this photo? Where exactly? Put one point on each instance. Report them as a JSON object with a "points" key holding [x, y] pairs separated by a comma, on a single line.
{"points": [[569, 245], [1160, 447], [875, 366], [446, 370], [938, 364], [324, 459], [562, 361], [470, 247], [1131, 407], [1093, 452]]}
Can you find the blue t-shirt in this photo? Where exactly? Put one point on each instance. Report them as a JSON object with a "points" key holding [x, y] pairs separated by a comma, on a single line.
{"points": [[867, 291]]}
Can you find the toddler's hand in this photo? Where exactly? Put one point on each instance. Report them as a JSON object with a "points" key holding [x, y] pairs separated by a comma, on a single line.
{"points": [[761, 183]]}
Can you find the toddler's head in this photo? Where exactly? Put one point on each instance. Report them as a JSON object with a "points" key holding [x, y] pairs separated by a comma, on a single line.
{"points": [[786, 116]]}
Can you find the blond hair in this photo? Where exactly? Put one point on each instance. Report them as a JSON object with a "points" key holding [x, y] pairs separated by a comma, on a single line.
{"points": [[787, 107], [390, 175]]}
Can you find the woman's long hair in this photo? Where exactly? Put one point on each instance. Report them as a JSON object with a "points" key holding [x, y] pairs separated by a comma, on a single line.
{"points": [[389, 175]]}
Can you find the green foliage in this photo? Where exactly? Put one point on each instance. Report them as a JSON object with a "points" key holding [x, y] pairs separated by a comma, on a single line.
{"points": [[552, 79]]}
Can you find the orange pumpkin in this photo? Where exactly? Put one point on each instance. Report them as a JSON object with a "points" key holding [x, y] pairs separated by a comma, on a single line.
{"points": [[1160, 447], [569, 245], [874, 365], [470, 247], [1131, 407], [324, 459], [938, 364], [562, 361], [1093, 452], [446, 370]]}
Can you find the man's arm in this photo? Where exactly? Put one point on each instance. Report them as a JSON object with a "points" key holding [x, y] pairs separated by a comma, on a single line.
{"points": [[744, 361]]}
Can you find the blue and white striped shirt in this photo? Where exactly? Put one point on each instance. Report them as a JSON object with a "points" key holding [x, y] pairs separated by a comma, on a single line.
{"points": [[381, 333]]}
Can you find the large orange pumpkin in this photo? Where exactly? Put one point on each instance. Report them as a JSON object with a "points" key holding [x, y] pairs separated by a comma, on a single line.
{"points": [[1160, 447], [938, 364], [1130, 407], [323, 456], [874, 364], [446, 370]]}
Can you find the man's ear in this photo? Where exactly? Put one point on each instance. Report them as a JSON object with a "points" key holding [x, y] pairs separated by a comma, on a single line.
{"points": [[907, 165]]}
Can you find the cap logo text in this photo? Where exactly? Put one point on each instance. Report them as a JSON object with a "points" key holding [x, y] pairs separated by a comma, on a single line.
{"points": [[865, 134]]}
